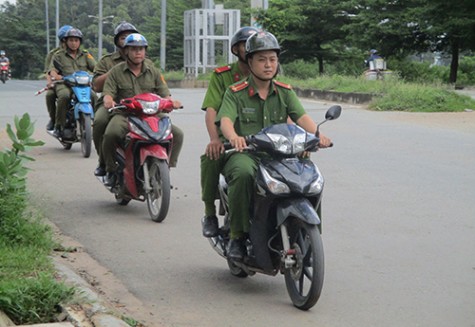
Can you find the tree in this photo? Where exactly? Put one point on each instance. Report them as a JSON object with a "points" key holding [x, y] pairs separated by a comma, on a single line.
{"points": [[451, 26], [401, 27], [308, 27]]}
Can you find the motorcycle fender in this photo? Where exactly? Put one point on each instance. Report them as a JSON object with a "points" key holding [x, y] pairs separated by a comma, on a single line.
{"points": [[153, 150], [85, 108], [300, 208]]}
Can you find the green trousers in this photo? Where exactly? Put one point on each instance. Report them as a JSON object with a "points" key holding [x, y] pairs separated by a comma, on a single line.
{"points": [[210, 170], [240, 172], [114, 135], [101, 120], [51, 104]]}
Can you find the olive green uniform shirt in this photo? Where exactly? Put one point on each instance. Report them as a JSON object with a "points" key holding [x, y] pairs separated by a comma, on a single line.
{"points": [[65, 64], [106, 63], [250, 114], [122, 83], [48, 58], [220, 80]]}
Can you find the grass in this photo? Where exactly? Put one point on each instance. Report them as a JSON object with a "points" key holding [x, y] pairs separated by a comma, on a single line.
{"points": [[388, 95], [29, 290]]}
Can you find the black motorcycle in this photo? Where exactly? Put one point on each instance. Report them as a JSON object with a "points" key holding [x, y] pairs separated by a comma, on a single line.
{"points": [[285, 227]]}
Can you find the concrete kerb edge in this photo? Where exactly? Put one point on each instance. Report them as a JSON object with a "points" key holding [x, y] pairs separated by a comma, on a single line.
{"points": [[98, 314], [353, 98]]}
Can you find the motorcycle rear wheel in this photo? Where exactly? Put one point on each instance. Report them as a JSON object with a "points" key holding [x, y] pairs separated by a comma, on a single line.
{"points": [[86, 134], [158, 200], [304, 281]]}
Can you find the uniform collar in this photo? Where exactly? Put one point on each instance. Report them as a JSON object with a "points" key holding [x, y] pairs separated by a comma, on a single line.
{"points": [[118, 56], [252, 90], [145, 66]]}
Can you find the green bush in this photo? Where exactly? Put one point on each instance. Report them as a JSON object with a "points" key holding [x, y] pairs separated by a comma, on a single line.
{"points": [[421, 98], [300, 69]]}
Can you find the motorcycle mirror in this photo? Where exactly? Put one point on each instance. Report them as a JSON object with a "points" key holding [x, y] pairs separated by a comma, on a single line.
{"points": [[333, 113]]}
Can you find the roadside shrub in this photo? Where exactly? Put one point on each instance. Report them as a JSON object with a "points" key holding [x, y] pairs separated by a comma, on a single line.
{"points": [[421, 98], [300, 69]]}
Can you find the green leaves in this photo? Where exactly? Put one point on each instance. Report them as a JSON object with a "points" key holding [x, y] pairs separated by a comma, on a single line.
{"points": [[12, 169]]}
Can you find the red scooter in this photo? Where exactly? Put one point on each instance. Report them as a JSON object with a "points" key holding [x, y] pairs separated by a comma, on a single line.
{"points": [[143, 172], [4, 71]]}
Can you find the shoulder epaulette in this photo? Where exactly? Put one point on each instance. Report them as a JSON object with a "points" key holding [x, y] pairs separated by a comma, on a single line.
{"points": [[239, 87], [285, 86], [223, 69]]}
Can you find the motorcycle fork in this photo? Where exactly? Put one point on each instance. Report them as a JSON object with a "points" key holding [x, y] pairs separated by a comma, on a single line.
{"points": [[146, 177], [287, 253]]}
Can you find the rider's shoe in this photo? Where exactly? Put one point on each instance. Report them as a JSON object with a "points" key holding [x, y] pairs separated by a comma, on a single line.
{"points": [[110, 179], [57, 133], [210, 226], [100, 171], [236, 249], [50, 126]]}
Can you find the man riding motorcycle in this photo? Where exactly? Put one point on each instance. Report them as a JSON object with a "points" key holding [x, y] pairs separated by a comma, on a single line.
{"points": [[4, 58], [66, 62], [51, 93], [211, 161], [247, 107], [101, 71], [140, 76]]}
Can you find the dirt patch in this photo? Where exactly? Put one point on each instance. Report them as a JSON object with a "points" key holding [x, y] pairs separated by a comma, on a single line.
{"points": [[110, 289], [459, 121]]}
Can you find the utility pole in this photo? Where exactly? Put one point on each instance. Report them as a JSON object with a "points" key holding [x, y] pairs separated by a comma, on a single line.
{"points": [[47, 26], [99, 38], [163, 34], [57, 22], [100, 22]]}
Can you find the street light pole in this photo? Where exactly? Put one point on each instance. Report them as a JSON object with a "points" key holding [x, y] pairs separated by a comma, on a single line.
{"points": [[47, 26], [100, 22], [99, 38], [163, 34], [57, 22]]}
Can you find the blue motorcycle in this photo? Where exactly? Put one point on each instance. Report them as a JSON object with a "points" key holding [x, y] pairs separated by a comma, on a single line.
{"points": [[80, 114]]}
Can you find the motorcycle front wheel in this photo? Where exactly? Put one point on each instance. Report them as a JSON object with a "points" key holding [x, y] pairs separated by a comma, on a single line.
{"points": [[158, 199], [3, 77], [86, 134], [304, 281]]}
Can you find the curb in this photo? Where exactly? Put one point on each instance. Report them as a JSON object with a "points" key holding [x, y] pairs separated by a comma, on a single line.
{"points": [[333, 96], [97, 313]]}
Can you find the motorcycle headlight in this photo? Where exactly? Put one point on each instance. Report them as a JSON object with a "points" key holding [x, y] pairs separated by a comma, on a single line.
{"points": [[288, 146], [82, 80], [135, 129], [149, 107], [274, 185], [317, 186]]}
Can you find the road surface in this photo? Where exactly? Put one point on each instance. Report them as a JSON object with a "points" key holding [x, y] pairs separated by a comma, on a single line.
{"points": [[398, 224]]}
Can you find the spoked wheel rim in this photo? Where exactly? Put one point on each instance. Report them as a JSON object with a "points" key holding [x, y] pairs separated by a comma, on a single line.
{"points": [[158, 199], [304, 280], [86, 135]]}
